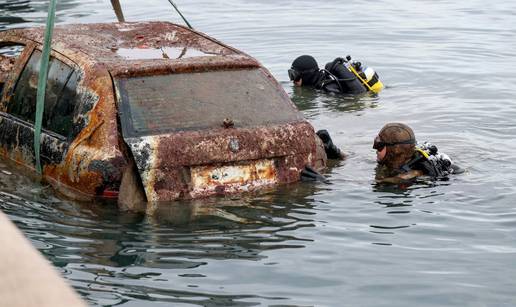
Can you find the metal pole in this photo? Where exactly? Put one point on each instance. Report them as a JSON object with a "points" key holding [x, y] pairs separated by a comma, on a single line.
{"points": [[42, 82], [118, 10]]}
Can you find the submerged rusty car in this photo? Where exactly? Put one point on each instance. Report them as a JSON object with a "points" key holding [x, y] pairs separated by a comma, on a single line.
{"points": [[151, 110]]}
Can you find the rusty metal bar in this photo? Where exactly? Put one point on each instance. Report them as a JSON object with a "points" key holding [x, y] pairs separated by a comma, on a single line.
{"points": [[118, 10]]}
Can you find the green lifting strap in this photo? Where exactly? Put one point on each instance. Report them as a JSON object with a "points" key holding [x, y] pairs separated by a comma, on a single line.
{"points": [[42, 82]]}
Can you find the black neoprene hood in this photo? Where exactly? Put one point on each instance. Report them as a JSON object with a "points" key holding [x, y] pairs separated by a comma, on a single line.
{"points": [[305, 62]]}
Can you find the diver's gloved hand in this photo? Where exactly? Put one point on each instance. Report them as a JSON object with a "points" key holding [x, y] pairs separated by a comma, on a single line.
{"points": [[332, 151], [309, 174]]}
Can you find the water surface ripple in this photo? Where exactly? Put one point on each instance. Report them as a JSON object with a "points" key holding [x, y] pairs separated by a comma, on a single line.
{"points": [[449, 68]]}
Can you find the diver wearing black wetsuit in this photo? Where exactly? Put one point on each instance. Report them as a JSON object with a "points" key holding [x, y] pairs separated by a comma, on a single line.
{"points": [[336, 77]]}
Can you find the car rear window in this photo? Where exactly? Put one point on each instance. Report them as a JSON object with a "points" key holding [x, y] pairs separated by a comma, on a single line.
{"points": [[195, 101]]}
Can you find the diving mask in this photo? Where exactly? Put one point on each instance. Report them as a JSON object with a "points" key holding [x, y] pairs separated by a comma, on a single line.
{"points": [[295, 75], [379, 144]]}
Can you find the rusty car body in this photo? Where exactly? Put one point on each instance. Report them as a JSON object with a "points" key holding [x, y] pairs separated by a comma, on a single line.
{"points": [[151, 110]]}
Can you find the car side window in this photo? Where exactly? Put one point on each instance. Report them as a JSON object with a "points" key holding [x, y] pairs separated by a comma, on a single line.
{"points": [[59, 95], [9, 53], [59, 118]]}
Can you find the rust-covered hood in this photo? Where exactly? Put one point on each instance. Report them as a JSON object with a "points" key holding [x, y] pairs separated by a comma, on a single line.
{"points": [[174, 165]]}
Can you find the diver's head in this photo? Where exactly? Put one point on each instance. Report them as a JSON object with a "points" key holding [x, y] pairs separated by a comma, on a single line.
{"points": [[394, 145], [304, 70]]}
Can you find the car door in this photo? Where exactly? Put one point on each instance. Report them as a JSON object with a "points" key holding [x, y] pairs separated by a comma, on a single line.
{"points": [[17, 119]]}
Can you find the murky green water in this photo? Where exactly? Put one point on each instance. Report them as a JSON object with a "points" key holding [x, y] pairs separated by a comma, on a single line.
{"points": [[450, 71]]}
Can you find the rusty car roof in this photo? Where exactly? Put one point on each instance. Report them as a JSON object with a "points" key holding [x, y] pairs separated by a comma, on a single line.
{"points": [[148, 47]]}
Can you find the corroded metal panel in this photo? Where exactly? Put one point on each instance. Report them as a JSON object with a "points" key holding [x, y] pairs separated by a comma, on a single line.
{"points": [[168, 163], [223, 158], [130, 47], [95, 159], [92, 159], [241, 177]]}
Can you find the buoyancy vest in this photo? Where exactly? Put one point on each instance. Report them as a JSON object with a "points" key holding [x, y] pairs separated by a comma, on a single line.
{"points": [[431, 162], [338, 78], [349, 77]]}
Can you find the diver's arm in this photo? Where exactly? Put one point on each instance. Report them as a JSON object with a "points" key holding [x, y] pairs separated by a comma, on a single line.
{"points": [[332, 151], [401, 177]]}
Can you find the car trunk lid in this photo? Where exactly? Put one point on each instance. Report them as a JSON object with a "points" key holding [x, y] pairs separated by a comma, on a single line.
{"points": [[199, 133], [200, 163]]}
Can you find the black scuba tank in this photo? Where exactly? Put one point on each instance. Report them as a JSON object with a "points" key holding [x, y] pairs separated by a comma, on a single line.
{"points": [[347, 80]]}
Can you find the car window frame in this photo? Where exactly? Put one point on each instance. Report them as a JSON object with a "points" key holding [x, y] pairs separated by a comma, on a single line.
{"points": [[14, 79], [7, 75], [19, 65]]}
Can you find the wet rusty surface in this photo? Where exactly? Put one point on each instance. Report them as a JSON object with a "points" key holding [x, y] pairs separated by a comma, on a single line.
{"points": [[177, 165], [85, 167], [222, 179], [165, 162], [6, 65], [73, 166], [101, 43]]}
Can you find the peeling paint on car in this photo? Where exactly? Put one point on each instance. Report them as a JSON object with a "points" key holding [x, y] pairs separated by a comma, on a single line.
{"points": [[91, 161]]}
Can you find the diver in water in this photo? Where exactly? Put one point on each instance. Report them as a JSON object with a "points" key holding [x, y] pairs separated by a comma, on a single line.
{"points": [[403, 159], [305, 72], [332, 153], [340, 76]]}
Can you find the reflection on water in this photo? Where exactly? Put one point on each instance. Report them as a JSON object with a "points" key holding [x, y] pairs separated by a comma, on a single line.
{"points": [[8, 8], [16, 13], [313, 102], [112, 257], [442, 243]]}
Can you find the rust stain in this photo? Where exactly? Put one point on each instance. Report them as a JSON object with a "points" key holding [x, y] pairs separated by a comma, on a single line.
{"points": [[290, 147], [213, 179], [98, 141], [100, 43], [185, 164]]}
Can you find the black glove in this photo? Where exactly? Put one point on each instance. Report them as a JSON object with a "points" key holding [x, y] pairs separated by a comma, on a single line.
{"points": [[332, 151], [309, 174]]}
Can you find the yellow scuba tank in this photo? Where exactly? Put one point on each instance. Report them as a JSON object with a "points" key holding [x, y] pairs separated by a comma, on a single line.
{"points": [[368, 77], [372, 79]]}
